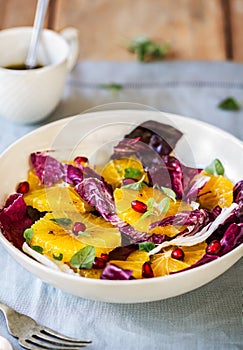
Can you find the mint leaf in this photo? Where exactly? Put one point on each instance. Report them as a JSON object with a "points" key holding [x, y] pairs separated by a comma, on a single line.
{"points": [[58, 257], [147, 214], [62, 221], [132, 173], [114, 87], [146, 246], [215, 168], [169, 193], [136, 186], [147, 50], [84, 258], [37, 248], [150, 202], [164, 205], [84, 234], [229, 104], [28, 234]]}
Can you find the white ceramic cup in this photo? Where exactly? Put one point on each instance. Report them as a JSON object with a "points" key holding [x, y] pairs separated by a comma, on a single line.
{"points": [[28, 96]]}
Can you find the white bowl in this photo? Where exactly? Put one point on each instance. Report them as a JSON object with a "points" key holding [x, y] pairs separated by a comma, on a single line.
{"points": [[94, 134]]}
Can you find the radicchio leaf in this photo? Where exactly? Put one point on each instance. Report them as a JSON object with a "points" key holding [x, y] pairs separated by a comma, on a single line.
{"points": [[195, 220], [73, 175], [48, 169], [238, 193], [113, 272], [232, 237], [162, 138], [14, 219]]}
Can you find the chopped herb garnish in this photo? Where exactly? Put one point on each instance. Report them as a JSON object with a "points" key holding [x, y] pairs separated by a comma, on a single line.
{"points": [[58, 257], [84, 258], [215, 168], [114, 87], [28, 234], [146, 49], [37, 248], [62, 221], [146, 246], [229, 104], [132, 173]]}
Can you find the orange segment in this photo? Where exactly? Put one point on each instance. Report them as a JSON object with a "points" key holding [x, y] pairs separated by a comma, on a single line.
{"points": [[124, 197], [217, 191], [163, 263], [56, 239], [34, 181], [114, 171], [56, 198]]}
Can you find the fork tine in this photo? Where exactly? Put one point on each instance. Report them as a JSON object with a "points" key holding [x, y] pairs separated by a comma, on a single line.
{"points": [[35, 344], [53, 334]]}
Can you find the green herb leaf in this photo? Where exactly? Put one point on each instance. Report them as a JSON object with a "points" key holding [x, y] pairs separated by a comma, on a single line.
{"points": [[146, 49], [84, 234], [169, 193], [58, 257], [136, 186], [146, 246], [28, 234], [229, 104], [132, 173], [62, 221], [114, 87], [147, 214], [150, 202], [84, 258], [37, 248], [164, 205], [215, 168]]}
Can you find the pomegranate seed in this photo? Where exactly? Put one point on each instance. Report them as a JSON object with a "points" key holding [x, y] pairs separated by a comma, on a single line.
{"points": [[78, 227], [105, 257], [128, 181], [23, 187], [147, 271], [99, 263], [138, 206], [177, 254], [213, 248], [81, 160]]}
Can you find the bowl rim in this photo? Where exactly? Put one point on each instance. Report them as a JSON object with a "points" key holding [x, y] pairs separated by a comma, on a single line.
{"points": [[70, 277]]}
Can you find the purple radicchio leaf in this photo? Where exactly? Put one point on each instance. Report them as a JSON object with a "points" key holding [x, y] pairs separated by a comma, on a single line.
{"points": [[14, 219], [162, 138], [121, 253], [195, 220], [48, 169], [73, 175], [99, 195], [232, 237], [238, 193], [194, 185], [113, 272]]}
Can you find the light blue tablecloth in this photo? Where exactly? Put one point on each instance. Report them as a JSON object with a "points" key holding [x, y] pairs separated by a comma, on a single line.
{"points": [[207, 318]]}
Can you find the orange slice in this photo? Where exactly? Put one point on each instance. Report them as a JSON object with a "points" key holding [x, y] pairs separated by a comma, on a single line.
{"points": [[114, 171], [217, 191], [124, 197], [163, 263], [56, 239], [56, 198]]}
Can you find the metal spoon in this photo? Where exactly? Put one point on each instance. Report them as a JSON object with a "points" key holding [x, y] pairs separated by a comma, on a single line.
{"points": [[41, 9]]}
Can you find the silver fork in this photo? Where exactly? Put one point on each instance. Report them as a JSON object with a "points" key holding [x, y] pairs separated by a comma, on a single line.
{"points": [[33, 336]]}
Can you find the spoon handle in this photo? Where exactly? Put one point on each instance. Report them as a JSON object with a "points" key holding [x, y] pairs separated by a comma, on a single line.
{"points": [[38, 24]]}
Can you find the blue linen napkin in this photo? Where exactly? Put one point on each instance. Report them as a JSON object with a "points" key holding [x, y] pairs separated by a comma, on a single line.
{"points": [[206, 318]]}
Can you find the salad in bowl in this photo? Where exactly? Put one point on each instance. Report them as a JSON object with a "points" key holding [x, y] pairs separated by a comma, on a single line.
{"points": [[141, 214]]}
